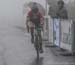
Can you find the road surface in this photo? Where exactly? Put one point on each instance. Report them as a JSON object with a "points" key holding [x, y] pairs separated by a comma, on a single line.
{"points": [[15, 45], [16, 48]]}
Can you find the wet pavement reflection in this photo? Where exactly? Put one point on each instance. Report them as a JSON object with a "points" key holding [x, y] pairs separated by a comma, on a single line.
{"points": [[38, 61]]}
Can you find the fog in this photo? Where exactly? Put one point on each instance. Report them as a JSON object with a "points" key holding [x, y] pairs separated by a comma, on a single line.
{"points": [[11, 10]]}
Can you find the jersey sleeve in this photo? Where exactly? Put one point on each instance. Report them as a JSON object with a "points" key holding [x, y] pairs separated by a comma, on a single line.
{"points": [[29, 14], [41, 18]]}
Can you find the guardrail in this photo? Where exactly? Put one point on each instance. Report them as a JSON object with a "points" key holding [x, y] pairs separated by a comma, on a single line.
{"points": [[65, 32]]}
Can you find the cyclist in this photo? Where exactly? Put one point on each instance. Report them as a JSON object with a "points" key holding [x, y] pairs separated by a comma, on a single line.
{"points": [[36, 19]]}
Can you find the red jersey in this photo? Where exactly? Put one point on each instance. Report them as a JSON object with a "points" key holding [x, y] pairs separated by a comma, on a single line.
{"points": [[35, 18], [39, 14]]}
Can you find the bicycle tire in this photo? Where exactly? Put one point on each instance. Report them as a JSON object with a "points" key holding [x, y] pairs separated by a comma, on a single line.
{"points": [[37, 53], [37, 46]]}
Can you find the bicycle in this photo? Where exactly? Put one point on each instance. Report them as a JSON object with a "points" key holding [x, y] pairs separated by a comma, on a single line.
{"points": [[37, 38]]}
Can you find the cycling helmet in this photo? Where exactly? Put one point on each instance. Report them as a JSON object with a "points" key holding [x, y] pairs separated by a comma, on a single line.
{"points": [[35, 8]]}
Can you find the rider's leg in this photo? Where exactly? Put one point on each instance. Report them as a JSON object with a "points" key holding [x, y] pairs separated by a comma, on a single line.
{"points": [[27, 28], [40, 42], [32, 34]]}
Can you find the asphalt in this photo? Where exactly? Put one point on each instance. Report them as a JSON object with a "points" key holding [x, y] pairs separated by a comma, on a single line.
{"points": [[16, 48]]}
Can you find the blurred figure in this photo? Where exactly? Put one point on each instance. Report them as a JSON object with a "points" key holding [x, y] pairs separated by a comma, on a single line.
{"points": [[61, 11], [58, 10], [36, 21]]}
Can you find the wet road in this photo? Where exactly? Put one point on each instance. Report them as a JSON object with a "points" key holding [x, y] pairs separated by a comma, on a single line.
{"points": [[16, 48], [15, 45]]}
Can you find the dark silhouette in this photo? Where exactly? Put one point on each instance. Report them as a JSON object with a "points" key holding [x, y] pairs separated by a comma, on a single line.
{"points": [[59, 10]]}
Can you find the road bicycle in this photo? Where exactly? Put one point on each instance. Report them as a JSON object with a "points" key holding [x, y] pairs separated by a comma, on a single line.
{"points": [[37, 39]]}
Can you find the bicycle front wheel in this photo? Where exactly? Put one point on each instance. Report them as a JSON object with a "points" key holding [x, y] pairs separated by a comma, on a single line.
{"points": [[37, 46]]}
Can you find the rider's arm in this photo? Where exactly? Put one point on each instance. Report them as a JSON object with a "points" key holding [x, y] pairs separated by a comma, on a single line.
{"points": [[29, 15], [28, 18], [41, 19]]}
